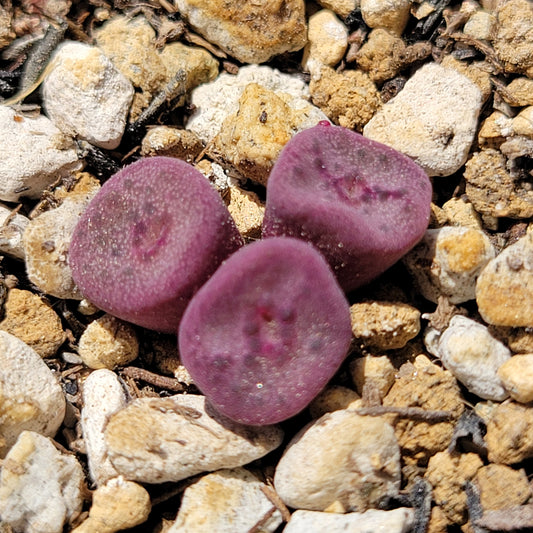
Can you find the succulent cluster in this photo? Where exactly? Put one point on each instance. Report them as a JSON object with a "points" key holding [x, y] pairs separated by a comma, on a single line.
{"points": [[261, 328]]}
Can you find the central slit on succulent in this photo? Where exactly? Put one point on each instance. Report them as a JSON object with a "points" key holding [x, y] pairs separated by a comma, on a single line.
{"points": [[355, 189], [148, 236]]}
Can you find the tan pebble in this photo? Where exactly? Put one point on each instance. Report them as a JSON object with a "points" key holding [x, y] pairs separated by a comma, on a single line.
{"points": [[460, 212], [117, 505], [108, 342], [171, 142], [517, 377], [425, 385], [33, 322], [519, 92], [391, 15], [438, 523], [495, 129], [334, 398], [247, 212], [447, 474], [504, 291], [349, 98], [480, 25], [509, 435], [493, 190], [522, 124], [501, 486], [341, 7], [384, 325], [376, 372]]}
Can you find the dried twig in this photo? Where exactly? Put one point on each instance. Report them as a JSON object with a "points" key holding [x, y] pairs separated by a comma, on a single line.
{"points": [[163, 382]]}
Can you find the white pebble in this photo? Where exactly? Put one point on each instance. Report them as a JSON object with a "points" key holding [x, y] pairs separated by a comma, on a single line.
{"points": [[33, 154], [103, 395], [391, 15], [85, 95], [341, 458], [474, 356], [40, 487], [11, 233], [30, 395], [372, 521], [433, 119], [154, 440], [227, 501]]}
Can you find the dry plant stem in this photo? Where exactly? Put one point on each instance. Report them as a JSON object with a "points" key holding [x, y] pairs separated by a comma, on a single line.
{"points": [[163, 382], [272, 495]]}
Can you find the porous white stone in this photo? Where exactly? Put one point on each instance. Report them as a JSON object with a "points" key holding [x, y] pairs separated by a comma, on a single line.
{"points": [[371, 521], [433, 119], [12, 226], [154, 440], [227, 501], [474, 356], [40, 487], [214, 102], [103, 395], [341, 458], [86, 96], [30, 395], [33, 154], [391, 15]]}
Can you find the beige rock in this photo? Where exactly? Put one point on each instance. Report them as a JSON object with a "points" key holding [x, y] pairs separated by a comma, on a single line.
{"points": [[108, 342], [509, 435], [493, 190], [447, 262], [460, 212], [30, 395], [33, 322], [251, 32], [216, 175], [41, 489], [427, 386], [376, 372], [519, 92], [517, 377], [384, 325], [341, 7], [154, 440], [522, 124], [334, 398], [504, 291], [480, 25], [448, 473], [252, 139], [47, 240], [348, 98], [384, 55], [479, 73], [12, 227], [433, 119], [341, 457], [391, 15], [117, 505], [513, 39], [438, 523], [227, 500], [247, 212], [501, 486], [327, 41], [495, 129], [171, 142]]}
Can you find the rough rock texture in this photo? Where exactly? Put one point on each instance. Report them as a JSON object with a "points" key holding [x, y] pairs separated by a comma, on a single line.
{"points": [[349, 98], [447, 474], [247, 210], [30, 395], [12, 227], [433, 119], [461, 212], [252, 32], [493, 190], [447, 262], [374, 372], [154, 440], [33, 154], [86, 96], [228, 500], [517, 377], [519, 92], [41, 489], [341, 7], [341, 457], [391, 15], [426, 385], [171, 142], [504, 291], [108, 342], [33, 321], [384, 325]]}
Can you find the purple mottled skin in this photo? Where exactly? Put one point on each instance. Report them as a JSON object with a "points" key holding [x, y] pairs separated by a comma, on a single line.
{"points": [[361, 203], [267, 332], [148, 241]]}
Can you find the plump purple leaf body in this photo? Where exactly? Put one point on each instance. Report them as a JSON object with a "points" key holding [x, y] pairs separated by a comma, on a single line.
{"points": [[149, 239], [361, 203], [267, 332]]}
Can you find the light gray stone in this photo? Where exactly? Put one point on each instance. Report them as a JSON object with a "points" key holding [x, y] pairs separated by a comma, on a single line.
{"points": [[340, 458], [433, 119], [41, 489], [154, 440], [33, 154], [227, 501], [86, 96]]}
